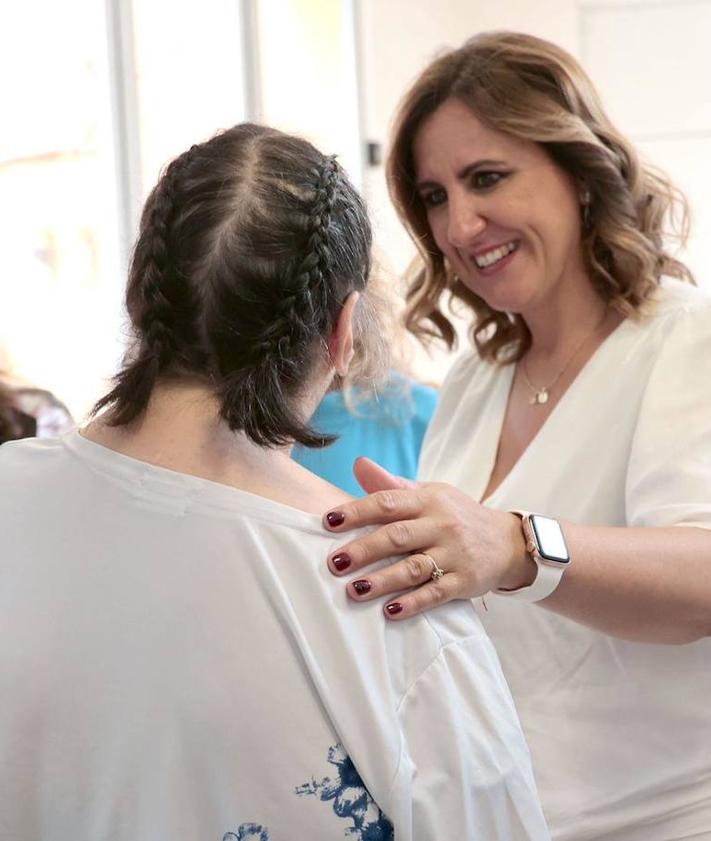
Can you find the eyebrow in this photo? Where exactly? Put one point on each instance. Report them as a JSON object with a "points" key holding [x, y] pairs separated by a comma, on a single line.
{"points": [[464, 173]]}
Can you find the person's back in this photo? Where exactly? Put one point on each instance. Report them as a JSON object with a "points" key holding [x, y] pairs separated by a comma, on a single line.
{"points": [[179, 667], [175, 660]]}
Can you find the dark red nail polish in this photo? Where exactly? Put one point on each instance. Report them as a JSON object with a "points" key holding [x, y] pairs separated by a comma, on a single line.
{"points": [[394, 608], [335, 518], [341, 561], [362, 586]]}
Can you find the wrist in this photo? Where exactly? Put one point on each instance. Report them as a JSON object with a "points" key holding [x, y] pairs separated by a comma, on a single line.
{"points": [[546, 547], [521, 570]]}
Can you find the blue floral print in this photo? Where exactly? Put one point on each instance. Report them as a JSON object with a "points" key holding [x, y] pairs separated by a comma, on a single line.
{"points": [[350, 799], [248, 832]]}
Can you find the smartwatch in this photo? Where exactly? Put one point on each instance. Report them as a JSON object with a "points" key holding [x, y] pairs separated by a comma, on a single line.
{"points": [[546, 546]]}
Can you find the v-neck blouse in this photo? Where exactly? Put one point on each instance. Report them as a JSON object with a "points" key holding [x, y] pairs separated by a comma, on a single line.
{"points": [[619, 732], [591, 377]]}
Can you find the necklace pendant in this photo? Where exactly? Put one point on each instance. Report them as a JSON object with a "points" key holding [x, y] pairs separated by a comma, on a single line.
{"points": [[540, 397]]}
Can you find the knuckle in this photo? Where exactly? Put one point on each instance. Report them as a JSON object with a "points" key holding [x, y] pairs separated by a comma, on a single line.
{"points": [[414, 565], [440, 490], [449, 521], [386, 501], [456, 528], [398, 534], [437, 593], [360, 553]]}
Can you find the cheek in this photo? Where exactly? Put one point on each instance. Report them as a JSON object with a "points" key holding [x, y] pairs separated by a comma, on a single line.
{"points": [[554, 225], [438, 228], [563, 234]]}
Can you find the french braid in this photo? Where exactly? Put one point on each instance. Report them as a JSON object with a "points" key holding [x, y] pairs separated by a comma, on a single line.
{"points": [[158, 285], [305, 304], [301, 312], [150, 298]]}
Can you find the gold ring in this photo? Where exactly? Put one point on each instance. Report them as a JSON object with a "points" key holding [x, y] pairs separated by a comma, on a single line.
{"points": [[437, 572]]}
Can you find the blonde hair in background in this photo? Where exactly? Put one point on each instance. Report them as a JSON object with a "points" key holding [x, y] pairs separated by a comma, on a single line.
{"points": [[533, 90], [382, 344]]}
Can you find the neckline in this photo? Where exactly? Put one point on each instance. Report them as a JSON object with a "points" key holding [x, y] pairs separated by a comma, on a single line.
{"points": [[503, 395], [165, 482]]}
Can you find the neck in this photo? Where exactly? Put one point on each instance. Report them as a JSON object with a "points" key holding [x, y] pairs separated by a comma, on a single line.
{"points": [[182, 430], [556, 325]]}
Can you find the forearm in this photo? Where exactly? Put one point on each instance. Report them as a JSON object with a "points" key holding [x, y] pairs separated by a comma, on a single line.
{"points": [[641, 584]]}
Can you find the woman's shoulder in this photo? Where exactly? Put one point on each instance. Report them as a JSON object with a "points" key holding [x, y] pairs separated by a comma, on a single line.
{"points": [[675, 298], [26, 456], [677, 314]]}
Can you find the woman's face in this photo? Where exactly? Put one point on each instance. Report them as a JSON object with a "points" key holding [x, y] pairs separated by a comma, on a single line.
{"points": [[503, 214]]}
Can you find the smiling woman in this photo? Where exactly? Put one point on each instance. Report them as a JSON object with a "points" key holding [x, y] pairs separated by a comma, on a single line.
{"points": [[524, 106], [587, 398], [503, 215]]}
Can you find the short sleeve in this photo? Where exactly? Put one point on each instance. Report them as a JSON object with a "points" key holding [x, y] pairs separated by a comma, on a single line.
{"points": [[669, 472]]}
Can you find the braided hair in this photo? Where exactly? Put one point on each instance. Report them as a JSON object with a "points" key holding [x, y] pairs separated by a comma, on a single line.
{"points": [[248, 247]]}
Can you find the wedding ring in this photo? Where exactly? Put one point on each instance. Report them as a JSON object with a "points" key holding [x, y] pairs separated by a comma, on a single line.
{"points": [[437, 573]]}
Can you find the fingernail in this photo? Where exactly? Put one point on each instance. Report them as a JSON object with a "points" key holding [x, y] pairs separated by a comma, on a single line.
{"points": [[394, 608], [335, 518], [341, 561], [362, 586]]}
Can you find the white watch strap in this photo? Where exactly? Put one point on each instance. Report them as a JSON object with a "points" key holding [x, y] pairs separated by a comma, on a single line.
{"points": [[547, 579]]}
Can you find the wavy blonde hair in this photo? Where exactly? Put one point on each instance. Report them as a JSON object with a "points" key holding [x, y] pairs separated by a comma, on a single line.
{"points": [[533, 90]]}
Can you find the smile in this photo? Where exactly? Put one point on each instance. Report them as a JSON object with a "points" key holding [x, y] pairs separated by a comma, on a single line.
{"points": [[487, 259]]}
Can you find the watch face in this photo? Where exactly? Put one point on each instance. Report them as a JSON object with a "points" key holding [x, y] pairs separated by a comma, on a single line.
{"points": [[551, 543]]}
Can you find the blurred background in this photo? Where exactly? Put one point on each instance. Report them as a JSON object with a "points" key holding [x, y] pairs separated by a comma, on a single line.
{"points": [[97, 95]]}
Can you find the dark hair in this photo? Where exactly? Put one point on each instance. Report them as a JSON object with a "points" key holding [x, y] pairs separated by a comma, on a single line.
{"points": [[14, 423], [533, 90], [247, 249]]}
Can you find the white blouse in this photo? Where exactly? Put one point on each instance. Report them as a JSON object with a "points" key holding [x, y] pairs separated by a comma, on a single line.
{"points": [[178, 664], [620, 732]]}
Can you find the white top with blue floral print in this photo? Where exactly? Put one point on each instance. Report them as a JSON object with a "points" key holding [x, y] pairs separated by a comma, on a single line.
{"points": [[177, 664]]}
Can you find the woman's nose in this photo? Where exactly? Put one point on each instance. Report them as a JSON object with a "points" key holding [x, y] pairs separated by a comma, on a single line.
{"points": [[466, 222]]}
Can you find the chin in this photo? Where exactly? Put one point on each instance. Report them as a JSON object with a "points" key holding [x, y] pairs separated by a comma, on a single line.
{"points": [[511, 296]]}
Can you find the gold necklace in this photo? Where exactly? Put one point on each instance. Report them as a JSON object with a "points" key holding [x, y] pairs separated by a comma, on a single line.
{"points": [[541, 394]]}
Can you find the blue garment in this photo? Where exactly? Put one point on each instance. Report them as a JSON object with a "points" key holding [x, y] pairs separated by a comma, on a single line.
{"points": [[389, 429]]}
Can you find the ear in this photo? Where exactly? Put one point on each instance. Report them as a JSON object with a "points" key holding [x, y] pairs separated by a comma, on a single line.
{"points": [[340, 344]]}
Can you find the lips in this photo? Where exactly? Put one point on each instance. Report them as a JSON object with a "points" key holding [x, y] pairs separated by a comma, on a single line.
{"points": [[486, 259]]}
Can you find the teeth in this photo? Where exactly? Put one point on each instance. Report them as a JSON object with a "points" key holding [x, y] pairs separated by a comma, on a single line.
{"points": [[491, 257]]}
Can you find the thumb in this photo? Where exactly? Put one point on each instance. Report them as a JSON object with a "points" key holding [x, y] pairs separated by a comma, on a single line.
{"points": [[372, 477]]}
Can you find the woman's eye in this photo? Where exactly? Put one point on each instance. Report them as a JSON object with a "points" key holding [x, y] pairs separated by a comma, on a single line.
{"points": [[433, 198], [483, 180]]}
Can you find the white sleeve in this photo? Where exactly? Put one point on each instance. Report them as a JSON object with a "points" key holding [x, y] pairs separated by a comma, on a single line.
{"points": [[472, 773], [669, 473]]}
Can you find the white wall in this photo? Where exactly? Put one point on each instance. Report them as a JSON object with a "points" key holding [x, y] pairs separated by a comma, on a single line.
{"points": [[652, 65]]}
